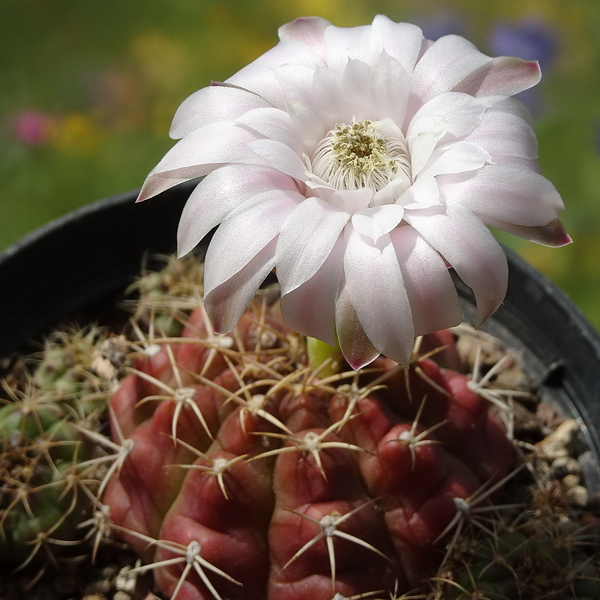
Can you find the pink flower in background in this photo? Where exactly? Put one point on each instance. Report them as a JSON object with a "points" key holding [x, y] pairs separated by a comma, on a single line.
{"points": [[32, 127], [360, 163]]}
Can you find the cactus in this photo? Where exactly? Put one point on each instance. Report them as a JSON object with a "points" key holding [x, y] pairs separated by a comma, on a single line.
{"points": [[46, 490], [236, 469], [248, 476]]}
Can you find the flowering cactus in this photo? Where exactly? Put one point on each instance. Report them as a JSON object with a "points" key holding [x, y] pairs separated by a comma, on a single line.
{"points": [[359, 163]]}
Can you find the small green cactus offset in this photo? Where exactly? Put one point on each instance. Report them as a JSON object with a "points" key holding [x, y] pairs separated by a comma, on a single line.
{"points": [[46, 490]]}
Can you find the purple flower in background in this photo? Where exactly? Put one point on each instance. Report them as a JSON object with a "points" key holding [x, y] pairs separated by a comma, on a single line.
{"points": [[530, 40]]}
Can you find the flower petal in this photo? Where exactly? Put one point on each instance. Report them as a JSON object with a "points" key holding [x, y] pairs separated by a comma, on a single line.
{"points": [[279, 156], [444, 64], [430, 289], [504, 75], [504, 193], [377, 293], [306, 239], [273, 124], [343, 43], [307, 30], [505, 131], [244, 233], [259, 76], [355, 89], [220, 193], [388, 89], [310, 308], [378, 220], [198, 154], [453, 113], [302, 107], [469, 247], [553, 234], [226, 303], [218, 102], [423, 193], [460, 157], [402, 41], [354, 344]]}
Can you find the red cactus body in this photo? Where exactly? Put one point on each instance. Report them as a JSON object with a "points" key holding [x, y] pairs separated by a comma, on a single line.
{"points": [[252, 480]]}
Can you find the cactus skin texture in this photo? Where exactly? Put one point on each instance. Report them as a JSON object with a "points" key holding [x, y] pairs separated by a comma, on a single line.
{"points": [[245, 476], [235, 470]]}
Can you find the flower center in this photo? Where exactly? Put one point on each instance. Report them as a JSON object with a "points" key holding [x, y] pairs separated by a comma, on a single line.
{"points": [[360, 155]]}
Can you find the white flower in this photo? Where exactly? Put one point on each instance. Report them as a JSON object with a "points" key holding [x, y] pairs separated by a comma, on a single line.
{"points": [[360, 163]]}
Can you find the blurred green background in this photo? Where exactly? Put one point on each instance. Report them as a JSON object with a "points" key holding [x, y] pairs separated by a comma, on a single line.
{"points": [[88, 89]]}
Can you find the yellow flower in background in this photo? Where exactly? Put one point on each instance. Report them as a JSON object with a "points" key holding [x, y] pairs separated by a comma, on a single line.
{"points": [[162, 61], [76, 132]]}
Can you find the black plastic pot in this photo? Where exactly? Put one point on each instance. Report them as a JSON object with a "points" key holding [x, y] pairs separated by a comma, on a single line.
{"points": [[84, 257]]}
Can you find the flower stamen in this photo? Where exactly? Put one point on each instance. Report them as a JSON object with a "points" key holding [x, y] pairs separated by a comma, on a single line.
{"points": [[356, 156]]}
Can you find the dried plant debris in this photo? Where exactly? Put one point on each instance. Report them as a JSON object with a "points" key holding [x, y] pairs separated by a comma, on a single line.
{"points": [[165, 461]]}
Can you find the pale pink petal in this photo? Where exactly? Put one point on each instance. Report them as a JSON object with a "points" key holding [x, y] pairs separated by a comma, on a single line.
{"points": [[218, 102], [244, 233], [504, 75], [198, 154], [226, 303], [327, 94], [308, 31], [512, 106], [459, 157], [273, 124], [425, 142], [356, 93], [454, 114], [504, 133], [377, 293], [378, 220], [220, 193], [469, 247], [280, 157], [342, 43], [306, 239], [348, 200], [259, 77], [553, 234], [391, 192], [444, 64], [354, 344], [402, 41], [310, 308], [302, 106], [433, 298], [389, 89], [503, 193], [423, 193]]}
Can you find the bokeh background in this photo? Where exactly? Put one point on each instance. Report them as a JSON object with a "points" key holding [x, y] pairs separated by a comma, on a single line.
{"points": [[88, 89]]}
